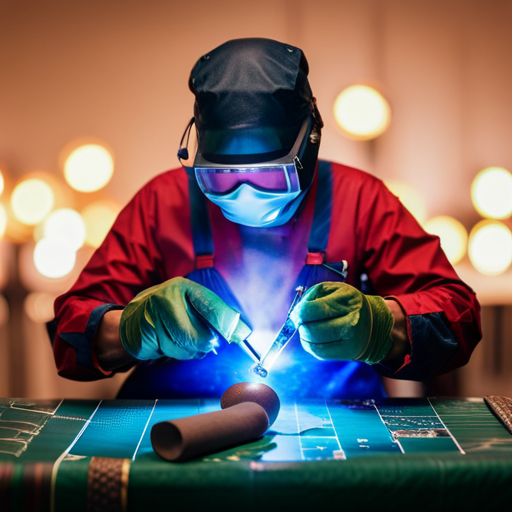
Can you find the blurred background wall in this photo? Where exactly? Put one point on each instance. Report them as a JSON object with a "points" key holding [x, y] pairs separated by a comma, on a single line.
{"points": [[116, 71]]}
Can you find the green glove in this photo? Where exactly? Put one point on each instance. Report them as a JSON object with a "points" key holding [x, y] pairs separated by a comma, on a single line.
{"points": [[179, 319], [337, 321]]}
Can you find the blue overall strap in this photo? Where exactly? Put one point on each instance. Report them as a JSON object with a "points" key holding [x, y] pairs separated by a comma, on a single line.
{"points": [[321, 225], [202, 237], [319, 234], [204, 272]]}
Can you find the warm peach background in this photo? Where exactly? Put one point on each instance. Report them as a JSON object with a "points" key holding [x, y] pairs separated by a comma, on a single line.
{"points": [[118, 70]]}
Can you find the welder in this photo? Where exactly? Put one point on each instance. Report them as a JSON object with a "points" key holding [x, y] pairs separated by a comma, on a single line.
{"points": [[207, 256]]}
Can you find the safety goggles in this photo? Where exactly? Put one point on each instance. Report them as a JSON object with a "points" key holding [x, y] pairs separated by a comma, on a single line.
{"points": [[276, 178], [279, 176]]}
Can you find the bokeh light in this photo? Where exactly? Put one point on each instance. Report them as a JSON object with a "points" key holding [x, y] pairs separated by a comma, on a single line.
{"points": [[67, 223], [32, 200], [89, 167], [2, 182], [54, 257], [452, 234], [490, 247], [491, 193], [99, 217], [39, 306], [362, 112], [409, 197], [3, 220]]}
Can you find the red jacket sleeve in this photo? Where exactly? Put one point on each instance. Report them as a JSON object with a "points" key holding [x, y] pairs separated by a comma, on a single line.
{"points": [[404, 262], [128, 261]]}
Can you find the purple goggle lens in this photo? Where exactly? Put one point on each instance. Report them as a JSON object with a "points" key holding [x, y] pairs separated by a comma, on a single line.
{"points": [[279, 178]]}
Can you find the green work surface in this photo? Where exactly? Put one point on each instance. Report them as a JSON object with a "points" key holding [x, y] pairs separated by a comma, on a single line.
{"points": [[420, 453]]}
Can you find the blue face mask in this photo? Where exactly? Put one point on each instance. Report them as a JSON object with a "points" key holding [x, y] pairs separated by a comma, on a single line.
{"points": [[253, 194], [256, 208]]}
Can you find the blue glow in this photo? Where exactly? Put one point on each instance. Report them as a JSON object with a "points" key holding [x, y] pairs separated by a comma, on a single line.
{"points": [[250, 143], [260, 339]]}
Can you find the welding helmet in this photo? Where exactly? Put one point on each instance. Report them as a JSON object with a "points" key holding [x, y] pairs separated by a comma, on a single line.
{"points": [[258, 130]]}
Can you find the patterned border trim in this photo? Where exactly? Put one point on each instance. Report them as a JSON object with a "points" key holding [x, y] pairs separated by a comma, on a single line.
{"points": [[107, 484], [501, 406]]}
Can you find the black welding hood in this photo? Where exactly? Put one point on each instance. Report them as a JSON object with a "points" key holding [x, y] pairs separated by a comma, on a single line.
{"points": [[252, 97]]}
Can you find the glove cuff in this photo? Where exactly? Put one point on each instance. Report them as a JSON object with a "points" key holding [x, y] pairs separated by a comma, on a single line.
{"points": [[380, 342], [134, 327]]}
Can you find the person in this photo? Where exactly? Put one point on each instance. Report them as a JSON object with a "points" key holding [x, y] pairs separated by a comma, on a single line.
{"points": [[211, 253]]}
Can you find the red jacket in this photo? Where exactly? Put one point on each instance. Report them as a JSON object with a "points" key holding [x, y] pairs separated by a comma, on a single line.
{"points": [[151, 241]]}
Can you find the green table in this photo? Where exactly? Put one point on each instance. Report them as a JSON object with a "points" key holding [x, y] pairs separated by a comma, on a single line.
{"points": [[423, 454]]}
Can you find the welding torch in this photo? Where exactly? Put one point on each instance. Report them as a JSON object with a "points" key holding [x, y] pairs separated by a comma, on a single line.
{"points": [[285, 334]]}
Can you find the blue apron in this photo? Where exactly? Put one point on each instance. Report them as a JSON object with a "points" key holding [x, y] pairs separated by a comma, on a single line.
{"points": [[301, 375]]}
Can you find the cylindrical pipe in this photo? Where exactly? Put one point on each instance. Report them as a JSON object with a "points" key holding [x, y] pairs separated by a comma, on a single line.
{"points": [[187, 438]]}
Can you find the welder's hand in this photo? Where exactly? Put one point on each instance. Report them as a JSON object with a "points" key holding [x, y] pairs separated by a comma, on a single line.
{"points": [[180, 319], [337, 321]]}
